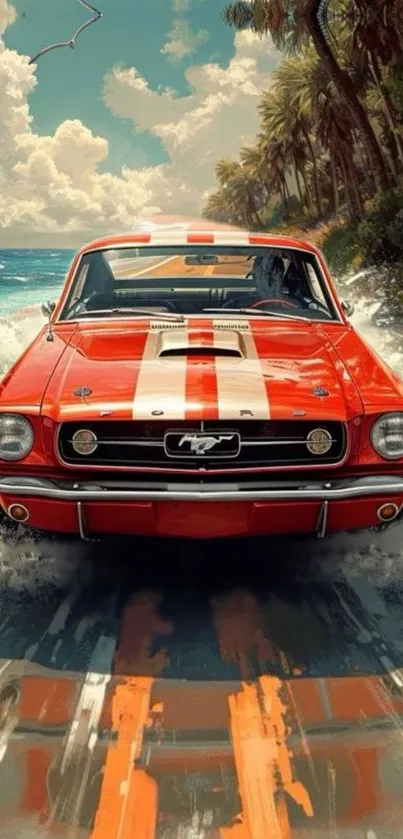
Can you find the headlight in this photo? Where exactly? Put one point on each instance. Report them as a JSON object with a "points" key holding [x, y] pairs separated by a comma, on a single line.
{"points": [[16, 437], [319, 441], [387, 436], [84, 441]]}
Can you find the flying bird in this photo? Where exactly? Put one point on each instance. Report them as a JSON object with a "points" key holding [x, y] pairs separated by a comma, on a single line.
{"points": [[72, 42]]}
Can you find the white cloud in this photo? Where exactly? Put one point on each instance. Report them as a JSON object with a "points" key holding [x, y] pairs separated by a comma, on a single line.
{"points": [[213, 120], [182, 41], [180, 5], [51, 189], [7, 15]]}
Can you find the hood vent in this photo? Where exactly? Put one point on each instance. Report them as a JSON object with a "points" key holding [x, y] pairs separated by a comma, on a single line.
{"points": [[201, 349], [178, 342]]}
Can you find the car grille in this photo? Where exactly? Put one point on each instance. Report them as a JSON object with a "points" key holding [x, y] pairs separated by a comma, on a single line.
{"points": [[246, 444]]}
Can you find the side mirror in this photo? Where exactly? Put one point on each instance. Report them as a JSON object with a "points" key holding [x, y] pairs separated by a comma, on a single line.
{"points": [[47, 310], [348, 308]]}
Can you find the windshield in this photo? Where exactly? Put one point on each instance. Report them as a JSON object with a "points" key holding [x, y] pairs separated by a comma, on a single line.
{"points": [[182, 281]]}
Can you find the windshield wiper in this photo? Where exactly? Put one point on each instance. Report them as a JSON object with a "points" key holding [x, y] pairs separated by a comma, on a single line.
{"points": [[257, 312], [128, 311]]}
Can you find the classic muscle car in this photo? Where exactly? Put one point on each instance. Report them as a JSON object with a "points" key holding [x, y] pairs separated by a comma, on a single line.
{"points": [[200, 383]]}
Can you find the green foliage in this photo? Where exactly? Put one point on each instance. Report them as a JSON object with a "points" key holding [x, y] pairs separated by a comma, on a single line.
{"points": [[329, 152], [380, 234], [341, 248]]}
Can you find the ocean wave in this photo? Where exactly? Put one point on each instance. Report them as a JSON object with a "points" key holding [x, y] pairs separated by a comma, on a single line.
{"points": [[17, 332], [20, 328]]}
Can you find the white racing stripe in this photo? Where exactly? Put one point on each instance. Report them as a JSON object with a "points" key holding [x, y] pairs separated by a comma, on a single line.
{"points": [[241, 390], [161, 385], [231, 238]]}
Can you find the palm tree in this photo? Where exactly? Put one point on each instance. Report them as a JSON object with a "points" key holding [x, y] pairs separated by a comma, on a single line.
{"points": [[291, 33]]}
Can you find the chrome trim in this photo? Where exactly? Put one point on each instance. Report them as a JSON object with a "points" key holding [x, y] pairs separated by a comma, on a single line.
{"points": [[222, 433], [330, 491], [81, 522], [144, 443], [322, 520]]}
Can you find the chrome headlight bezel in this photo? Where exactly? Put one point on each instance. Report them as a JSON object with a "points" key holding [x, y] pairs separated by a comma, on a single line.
{"points": [[26, 428], [390, 416]]}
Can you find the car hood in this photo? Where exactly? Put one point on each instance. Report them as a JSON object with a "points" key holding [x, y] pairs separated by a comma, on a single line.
{"points": [[211, 369]]}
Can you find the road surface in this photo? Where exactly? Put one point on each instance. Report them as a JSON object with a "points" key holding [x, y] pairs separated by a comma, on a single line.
{"points": [[240, 690]]}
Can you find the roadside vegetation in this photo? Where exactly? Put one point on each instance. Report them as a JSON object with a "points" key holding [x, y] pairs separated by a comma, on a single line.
{"points": [[327, 163]]}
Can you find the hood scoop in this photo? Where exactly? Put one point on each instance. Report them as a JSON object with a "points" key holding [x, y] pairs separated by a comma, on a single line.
{"points": [[198, 342]]}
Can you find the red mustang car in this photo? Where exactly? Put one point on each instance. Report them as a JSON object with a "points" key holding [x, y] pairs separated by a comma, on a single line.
{"points": [[200, 383]]}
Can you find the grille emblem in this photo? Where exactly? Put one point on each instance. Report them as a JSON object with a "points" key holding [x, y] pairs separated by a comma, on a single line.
{"points": [[198, 444]]}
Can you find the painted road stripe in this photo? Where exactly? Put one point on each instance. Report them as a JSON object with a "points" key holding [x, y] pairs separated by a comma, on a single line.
{"points": [[160, 390], [241, 387], [128, 801]]}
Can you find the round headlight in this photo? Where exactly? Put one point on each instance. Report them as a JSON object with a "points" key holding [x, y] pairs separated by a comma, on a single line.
{"points": [[319, 441], [84, 441], [387, 436], [16, 437]]}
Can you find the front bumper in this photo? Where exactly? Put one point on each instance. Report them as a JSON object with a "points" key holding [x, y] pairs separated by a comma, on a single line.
{"points": [[202, 510]]}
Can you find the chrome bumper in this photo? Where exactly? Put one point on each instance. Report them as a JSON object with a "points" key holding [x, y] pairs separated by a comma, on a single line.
{"points": [[337, 490]]}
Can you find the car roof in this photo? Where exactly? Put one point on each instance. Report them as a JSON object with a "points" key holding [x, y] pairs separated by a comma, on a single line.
{"points": [[161, 235]]}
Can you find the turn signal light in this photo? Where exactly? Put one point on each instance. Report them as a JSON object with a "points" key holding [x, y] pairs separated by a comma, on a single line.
{"points": [[18, 512], [387, 512]]}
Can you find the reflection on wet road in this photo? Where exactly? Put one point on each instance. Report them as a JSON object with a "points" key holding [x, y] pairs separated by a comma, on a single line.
{"points": [[246, 690]]}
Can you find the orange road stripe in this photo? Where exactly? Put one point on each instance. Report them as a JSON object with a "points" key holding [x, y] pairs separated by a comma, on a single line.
{"points": [[119, 791], [263, 762], [128, 799], [259, 733]]}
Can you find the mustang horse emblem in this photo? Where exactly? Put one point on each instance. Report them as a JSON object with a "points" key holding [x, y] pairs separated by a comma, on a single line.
{"points": [[201, 445]]}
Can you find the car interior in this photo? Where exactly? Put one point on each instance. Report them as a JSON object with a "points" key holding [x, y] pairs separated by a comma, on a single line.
{"points": [[269, 282]]}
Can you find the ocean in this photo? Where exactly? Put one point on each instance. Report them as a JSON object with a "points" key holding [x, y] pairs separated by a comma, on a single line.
{"points": [[30, 277]]}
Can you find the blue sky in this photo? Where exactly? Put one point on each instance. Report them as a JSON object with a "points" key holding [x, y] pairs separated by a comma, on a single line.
{"points": [[69, 83], [130, 123]]}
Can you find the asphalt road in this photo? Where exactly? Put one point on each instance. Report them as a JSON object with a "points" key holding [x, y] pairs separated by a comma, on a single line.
{"points": [[174, 690]]}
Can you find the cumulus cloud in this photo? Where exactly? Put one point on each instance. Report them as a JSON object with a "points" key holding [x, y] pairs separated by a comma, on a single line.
{"points": [[213, 120], [8, 15], [51, 186], [182, 41]]}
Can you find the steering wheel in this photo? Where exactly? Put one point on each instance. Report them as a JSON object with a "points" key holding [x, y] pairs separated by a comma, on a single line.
{"points": [[279, 300]]}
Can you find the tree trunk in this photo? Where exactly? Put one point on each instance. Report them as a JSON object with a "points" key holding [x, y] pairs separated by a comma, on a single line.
{"points": [[318, 197], [298, 182], [355, 189], [347, 193], [389, 109], [336, 202], [308, 196], [345, 89]]}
